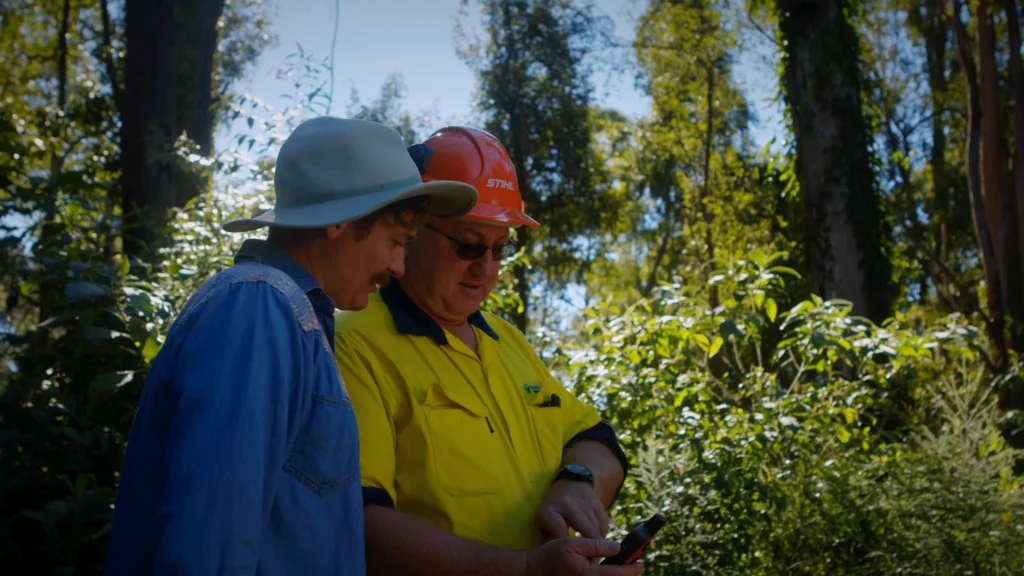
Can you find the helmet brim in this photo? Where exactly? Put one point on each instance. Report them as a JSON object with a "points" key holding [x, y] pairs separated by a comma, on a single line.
{"points": [[494, 214]]}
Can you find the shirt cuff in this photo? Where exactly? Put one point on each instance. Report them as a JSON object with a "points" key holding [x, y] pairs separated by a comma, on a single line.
{"points": [[604, 433], [377, 497]]}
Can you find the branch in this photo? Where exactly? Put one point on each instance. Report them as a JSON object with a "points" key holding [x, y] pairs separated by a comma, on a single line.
{"points": [[757, 26], [108, 53], [924, 251], [62, 57], [652, 275]]}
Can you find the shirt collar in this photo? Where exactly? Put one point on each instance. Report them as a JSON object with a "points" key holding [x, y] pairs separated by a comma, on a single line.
{"points": [[276, 257], [412, 320]]}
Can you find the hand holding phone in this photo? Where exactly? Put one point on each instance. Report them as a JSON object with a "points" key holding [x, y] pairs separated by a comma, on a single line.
{"points": [[635, 543]]}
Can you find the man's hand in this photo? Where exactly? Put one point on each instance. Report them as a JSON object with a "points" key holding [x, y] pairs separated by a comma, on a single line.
{"points": [[570, 504], [569, 556]]}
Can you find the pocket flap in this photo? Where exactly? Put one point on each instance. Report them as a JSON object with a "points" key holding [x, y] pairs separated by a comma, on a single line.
{"points": [[543, 397], [438, 397]]}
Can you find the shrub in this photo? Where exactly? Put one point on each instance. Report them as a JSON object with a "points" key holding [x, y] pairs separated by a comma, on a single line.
{"points": [[802, 442]]}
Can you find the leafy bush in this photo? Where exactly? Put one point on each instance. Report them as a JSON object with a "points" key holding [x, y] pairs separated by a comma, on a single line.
{"points": [[68, 407], [803, 442]]}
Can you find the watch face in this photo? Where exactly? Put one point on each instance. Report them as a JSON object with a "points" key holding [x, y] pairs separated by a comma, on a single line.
{"points": [[576, 472]]}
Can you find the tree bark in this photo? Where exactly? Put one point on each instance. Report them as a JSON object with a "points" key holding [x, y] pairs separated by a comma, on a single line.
{"points": [[109, 62], [996, 325], [196, 41], [1000, 203], [147, 122], [936, 36], [709, 142], [1012, 398], [847, 237]]}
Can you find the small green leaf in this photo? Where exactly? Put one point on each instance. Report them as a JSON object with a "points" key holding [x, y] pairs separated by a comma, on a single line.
{"points": [[758, 299], [104, 385], [702, 342], [77, 290], [150, 350], [72, 210], [716, 345], [784, 270], [759, 258], [80, 484], [849, 414], [843, 434], [771, 309]]}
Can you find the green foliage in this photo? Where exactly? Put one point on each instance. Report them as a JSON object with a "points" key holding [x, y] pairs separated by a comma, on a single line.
{"points": [[535, 96], [695, 196], [803, 441], [917, 97]]}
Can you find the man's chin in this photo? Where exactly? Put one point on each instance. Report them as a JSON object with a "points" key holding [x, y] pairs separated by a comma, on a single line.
{"points": [[467, 306], [354, 303]]}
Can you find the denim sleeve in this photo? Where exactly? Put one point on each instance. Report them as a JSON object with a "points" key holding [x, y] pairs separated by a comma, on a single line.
{"points": [[240, 384]]}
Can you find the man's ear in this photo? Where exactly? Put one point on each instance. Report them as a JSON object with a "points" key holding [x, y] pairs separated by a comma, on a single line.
{"points": [[336, 230]]}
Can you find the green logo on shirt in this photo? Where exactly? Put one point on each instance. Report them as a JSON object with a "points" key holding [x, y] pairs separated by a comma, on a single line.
{"points": [[531, 390]]}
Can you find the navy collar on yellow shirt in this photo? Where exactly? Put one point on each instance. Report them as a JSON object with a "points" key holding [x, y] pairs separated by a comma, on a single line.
{"points": [[277, 257], [411, 319]]}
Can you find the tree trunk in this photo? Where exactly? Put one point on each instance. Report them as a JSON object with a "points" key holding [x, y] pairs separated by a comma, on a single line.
{"points": [[1012, 397], [52, 292], [996, 324], [847, 237], [196, 40], [936, 36], [709, 142], [1000, 203], [108, 53], [147, 122]]}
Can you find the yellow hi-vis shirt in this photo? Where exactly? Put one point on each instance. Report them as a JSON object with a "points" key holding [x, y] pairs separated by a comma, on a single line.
{"points": [[467, 442]]}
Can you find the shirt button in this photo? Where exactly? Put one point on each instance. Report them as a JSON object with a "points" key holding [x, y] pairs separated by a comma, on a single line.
{"points": [[463, 419]]}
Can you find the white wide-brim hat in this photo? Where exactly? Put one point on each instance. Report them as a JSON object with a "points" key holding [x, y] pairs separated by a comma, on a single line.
{"points": [[332, 170]]}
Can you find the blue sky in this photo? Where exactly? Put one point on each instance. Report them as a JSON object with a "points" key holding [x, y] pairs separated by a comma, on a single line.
{"points": [[415, 38]]}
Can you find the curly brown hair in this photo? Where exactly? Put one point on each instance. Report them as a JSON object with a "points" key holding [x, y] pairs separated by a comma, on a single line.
{"points": [[408, 213]]}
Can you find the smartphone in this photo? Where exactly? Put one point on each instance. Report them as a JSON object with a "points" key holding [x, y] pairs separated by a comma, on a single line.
{"points": [[635, 543]]}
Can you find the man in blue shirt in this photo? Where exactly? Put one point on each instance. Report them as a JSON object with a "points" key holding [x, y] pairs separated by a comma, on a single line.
{"points": [[244, 454]]}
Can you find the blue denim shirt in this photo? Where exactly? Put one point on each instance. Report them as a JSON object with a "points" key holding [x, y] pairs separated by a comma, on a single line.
{"points": [[244, 454]]}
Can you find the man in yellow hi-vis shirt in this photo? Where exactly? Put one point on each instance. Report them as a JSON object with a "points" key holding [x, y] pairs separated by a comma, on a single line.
{"points": [[474, 459]]}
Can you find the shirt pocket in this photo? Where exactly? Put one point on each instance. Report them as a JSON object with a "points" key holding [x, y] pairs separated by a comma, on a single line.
{"points": [[468, 456], [547, 415], [325, 453]]}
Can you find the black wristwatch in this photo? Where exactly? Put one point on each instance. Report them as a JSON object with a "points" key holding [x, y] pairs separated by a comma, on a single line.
{"points": [[576, 473]]}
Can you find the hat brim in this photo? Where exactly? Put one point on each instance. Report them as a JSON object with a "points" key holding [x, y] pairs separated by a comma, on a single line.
{"points": [[448, 199], [494, 214]]}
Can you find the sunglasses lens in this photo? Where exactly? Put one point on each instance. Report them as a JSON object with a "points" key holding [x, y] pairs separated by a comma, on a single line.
{"points": [[471, 251]]}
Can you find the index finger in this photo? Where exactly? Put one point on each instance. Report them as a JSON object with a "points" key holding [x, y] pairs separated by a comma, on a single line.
{"points": [[582, 523]]}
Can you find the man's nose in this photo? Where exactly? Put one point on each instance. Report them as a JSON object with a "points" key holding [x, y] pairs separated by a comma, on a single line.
{"points": [[484, 265], [397, 266]]}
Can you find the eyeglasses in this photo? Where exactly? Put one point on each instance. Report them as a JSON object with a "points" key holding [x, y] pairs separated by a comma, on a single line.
{"points": [[475, 251]]}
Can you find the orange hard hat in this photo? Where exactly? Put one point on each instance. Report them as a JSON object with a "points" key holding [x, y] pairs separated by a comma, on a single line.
{"points": [[477, 158]]}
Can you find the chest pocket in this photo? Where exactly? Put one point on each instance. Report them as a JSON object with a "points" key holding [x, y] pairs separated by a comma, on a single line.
{"points": [[325, 454], [468, 455], [546, 411]]}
